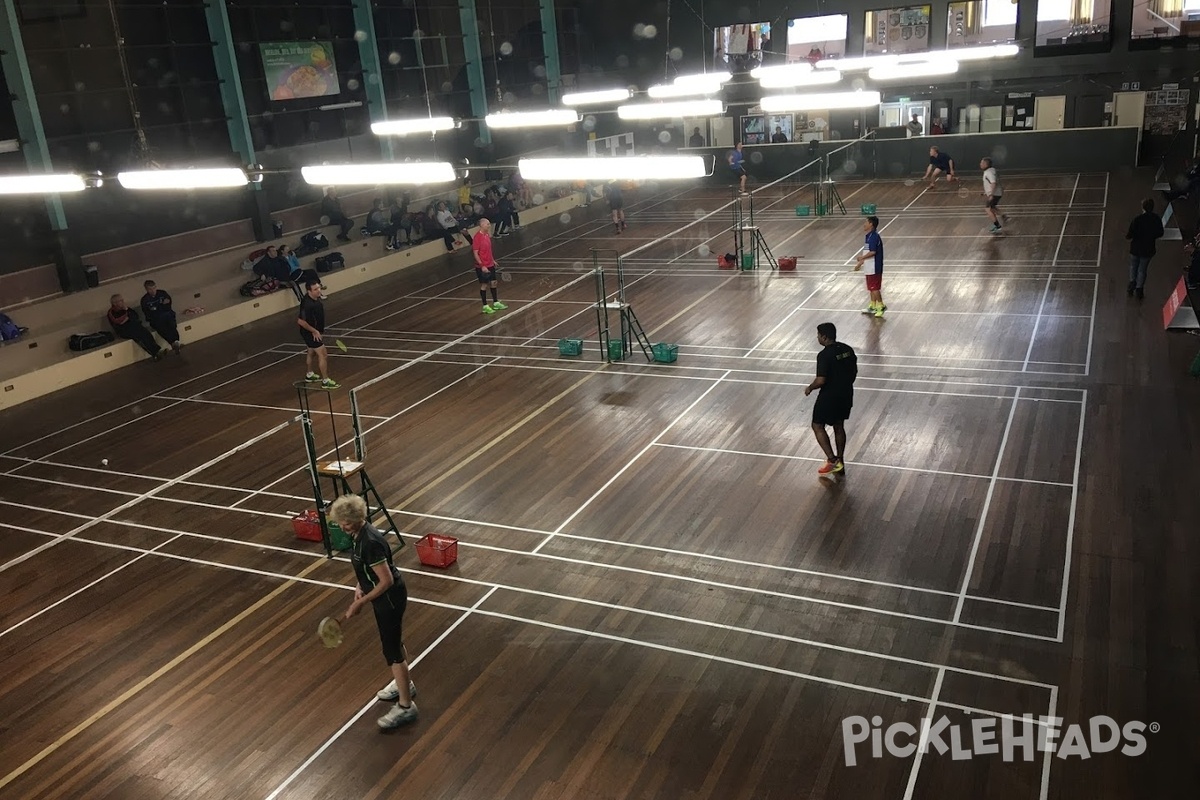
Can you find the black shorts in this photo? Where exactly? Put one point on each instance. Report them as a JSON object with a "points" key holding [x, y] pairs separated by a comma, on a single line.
{"points": [[831, 410], [486, 275], [992, 202], [616, 206], [310, 342], [389, 618]]}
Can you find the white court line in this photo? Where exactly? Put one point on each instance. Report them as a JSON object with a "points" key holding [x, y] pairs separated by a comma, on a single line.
{"points": [[1037, 324], [983, 514], [1047, 758], [1066, 219], [923, 741], [1104, 202], [1100, 238], [1074, 189], [1066, 580], [291, 411], [373, 702], [84, 588], [629, 464], [1087, 361], [820, 285], [857, 464], [142, 497]]}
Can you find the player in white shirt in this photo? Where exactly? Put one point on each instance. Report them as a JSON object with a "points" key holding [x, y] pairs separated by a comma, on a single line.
{"points": [[992, 193]]}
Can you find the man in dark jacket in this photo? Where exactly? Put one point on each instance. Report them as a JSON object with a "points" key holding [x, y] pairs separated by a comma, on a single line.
{"points": [[331, 207], [125, 323], [156, 305], [1145, 229]]}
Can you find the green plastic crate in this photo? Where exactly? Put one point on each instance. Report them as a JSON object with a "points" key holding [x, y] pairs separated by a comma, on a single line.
{"points": [[868, 209], [821, 210], [747, 260], [338, 538], [570, 347], [803, 211], [616, 350], [665, 353]]}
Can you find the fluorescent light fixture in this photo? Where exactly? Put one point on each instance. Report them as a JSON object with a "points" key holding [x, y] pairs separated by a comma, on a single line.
{"points": [[10, 146], [219, 178], [595, 98], [414, 173], [676, 110], [664, 91], [340, 106], [818, 101], [41, 184], [925, 69], [783, 69], [861, 62], [612, 168], [403, 127], [780, 80], [550, 118], [982, 53]]}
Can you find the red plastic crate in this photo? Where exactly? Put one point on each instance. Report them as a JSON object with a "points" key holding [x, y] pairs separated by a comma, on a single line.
{"points": [[436, 550], [307, 525]]}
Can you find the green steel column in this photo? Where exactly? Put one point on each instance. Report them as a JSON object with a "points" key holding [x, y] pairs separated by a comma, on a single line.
{"points": [[550, 50], [234, 103], [33, 140], [474, 57], [368, 54]]}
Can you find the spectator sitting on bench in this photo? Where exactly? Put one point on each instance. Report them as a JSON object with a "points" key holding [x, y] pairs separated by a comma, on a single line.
{"points": [[450, 227], [378, 221], [125, 323], [400, 220], [331, 207], [273, 266], [160, 314], [464, 197], [296, 274]]}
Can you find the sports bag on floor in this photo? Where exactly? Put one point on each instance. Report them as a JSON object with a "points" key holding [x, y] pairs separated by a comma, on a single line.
{"points": [[89, 341]]}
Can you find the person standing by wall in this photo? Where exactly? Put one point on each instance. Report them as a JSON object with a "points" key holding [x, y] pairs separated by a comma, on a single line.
{"points": [[1145, 229], [160, 314]]}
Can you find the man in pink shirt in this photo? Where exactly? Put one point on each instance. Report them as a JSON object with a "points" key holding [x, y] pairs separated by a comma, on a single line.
{"points": [[485, 267]]}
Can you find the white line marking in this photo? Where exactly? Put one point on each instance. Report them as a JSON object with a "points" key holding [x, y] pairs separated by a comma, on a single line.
{"points": [[983, 514], [1066, 580], [1087, 361], [923, 742], [1037, 323]]}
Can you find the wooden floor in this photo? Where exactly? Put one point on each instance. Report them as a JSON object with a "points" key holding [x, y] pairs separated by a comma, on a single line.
{"points": [[655, 595]]}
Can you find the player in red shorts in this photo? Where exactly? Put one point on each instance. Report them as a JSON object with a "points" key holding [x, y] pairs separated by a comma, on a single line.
{"points": [[873, 251]]}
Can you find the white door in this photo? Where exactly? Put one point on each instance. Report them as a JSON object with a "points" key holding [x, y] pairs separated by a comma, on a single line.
{"points": [[1049, 113], [921, 109], [1129, 109]]}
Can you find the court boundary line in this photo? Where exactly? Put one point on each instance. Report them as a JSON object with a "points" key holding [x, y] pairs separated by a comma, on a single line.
{"points": [[1066, 578], [1037, 324]]}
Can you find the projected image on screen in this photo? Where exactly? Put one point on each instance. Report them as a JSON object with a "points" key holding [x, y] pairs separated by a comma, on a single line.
{"points": [[1073, 22], [897, 30], [741, 48], [813, 38], [1165, 19], [981, 22]]}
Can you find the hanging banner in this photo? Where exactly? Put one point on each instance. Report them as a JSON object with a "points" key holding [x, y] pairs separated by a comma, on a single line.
{"points": [[299, 69]]}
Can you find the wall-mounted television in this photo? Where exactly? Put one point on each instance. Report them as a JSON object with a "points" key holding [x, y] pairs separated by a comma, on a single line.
{"points": [[981, 22], [1073, 26], [814, 38], [897, 30]]}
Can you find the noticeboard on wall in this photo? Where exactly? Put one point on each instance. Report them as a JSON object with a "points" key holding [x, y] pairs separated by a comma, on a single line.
{"points": [[897, 30], [1166, 111], [1018, 112]]}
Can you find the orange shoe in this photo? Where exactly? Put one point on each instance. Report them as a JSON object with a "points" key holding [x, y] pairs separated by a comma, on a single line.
{"points": [[831, 468]]}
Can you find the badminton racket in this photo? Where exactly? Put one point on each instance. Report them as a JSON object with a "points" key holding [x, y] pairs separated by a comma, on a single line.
{"points": [[329, 630]]}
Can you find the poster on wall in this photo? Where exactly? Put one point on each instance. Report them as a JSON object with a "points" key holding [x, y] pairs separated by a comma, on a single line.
{"points": [[754, 130], [1166, 111], [1018, 112], [299, 69], [897, 30]]}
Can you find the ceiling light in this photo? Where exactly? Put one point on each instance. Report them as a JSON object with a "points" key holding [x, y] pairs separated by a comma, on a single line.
{"points": [[859, 63], [976, 53], [593, 98], [676, 110], [782, 80], [664, 91], [924, 69], [152, 179], [612, 168], [703, 77], [783, 69], [417, 172], [41, 184], [551, 117], [403, 127], [818, 101]]}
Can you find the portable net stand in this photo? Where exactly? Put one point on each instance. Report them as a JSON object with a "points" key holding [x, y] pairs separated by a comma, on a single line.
{"points": [[630, 328], [749, 246], [338, 471]]}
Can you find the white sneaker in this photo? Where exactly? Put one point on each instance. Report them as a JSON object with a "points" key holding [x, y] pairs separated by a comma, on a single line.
{"points": [[397, 716], [390, 694]]}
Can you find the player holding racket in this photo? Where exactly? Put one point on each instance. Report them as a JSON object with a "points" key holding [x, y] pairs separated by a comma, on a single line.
{"points": [[872, 251], [380, 584], [485, 267]]}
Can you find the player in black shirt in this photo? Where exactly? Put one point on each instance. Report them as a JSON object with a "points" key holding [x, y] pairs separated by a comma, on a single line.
{"points": [[156, 305], [312, 329], [379, 584], [837, 369]]}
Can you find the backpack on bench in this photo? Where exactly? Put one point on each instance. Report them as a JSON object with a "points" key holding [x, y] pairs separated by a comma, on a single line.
{"points": [[330, 262], [89, 341], [311, 242]]}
